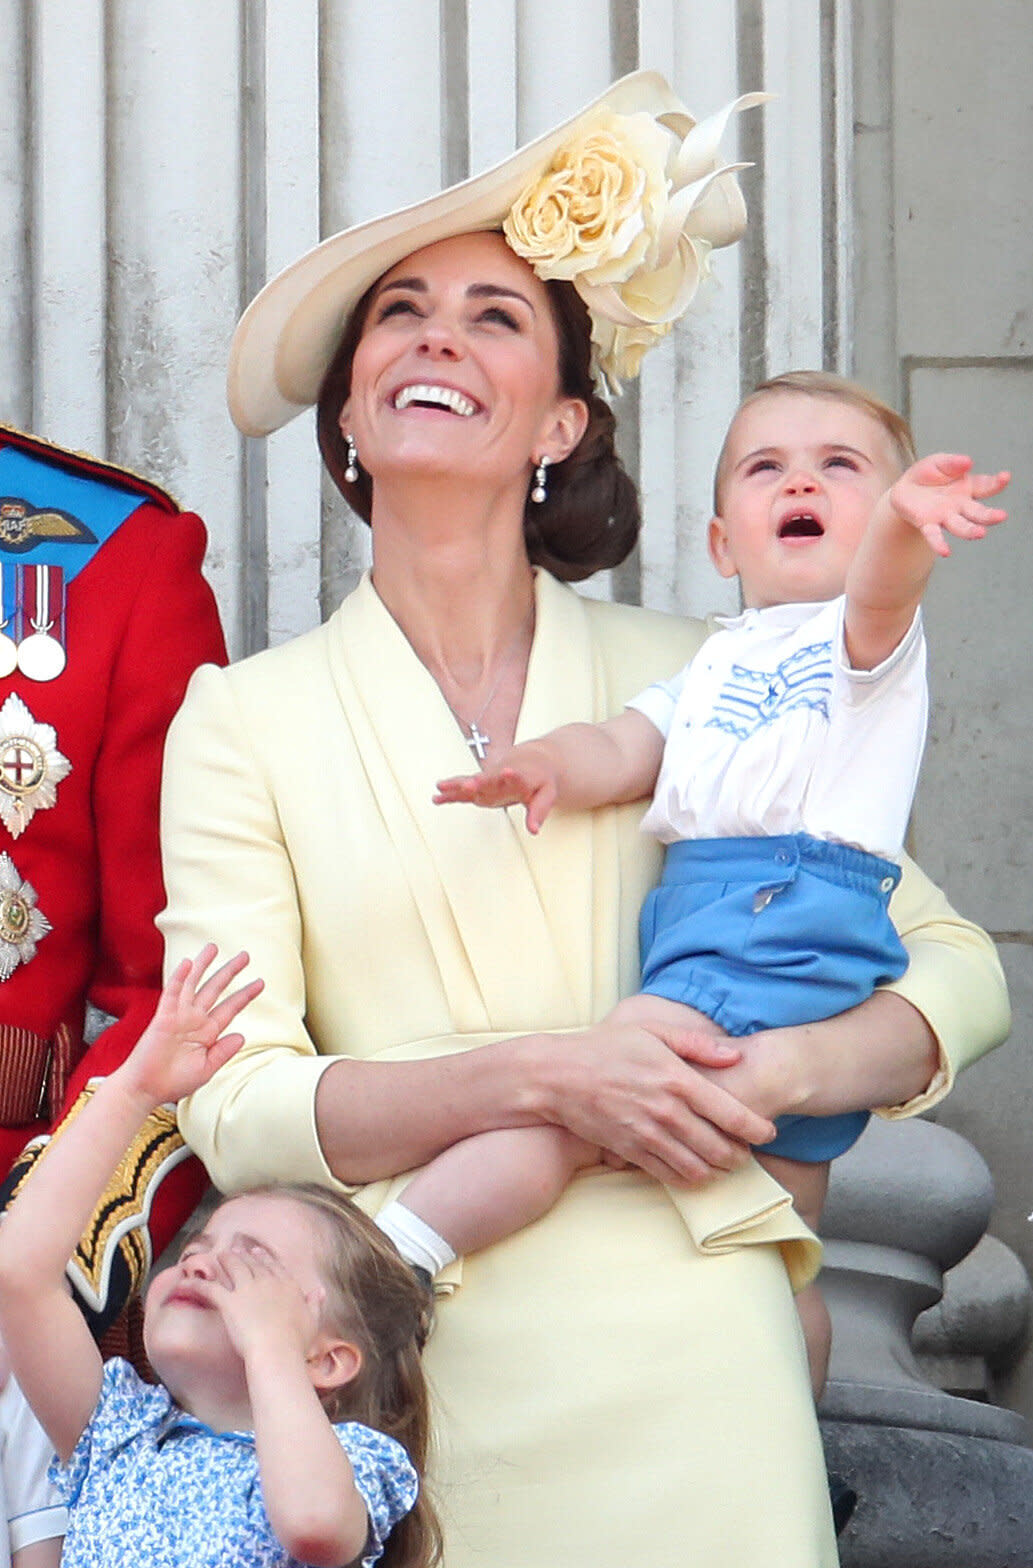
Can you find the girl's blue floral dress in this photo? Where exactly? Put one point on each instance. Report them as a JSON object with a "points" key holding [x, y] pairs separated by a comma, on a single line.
{"points": [[148, 1483]]}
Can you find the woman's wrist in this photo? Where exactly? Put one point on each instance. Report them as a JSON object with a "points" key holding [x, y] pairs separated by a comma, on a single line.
{"points": [[536, 1095], [882, 1052]]}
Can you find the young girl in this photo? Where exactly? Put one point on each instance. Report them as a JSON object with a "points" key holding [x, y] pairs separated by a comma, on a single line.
{"points": [[291, 1422], [793, 737]]}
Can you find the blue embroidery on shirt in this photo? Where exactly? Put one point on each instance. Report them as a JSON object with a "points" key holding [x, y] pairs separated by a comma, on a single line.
{"points": [[751, 699]]}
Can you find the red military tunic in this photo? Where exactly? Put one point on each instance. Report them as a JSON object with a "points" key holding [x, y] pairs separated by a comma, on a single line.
{"points": [[139, 618]]}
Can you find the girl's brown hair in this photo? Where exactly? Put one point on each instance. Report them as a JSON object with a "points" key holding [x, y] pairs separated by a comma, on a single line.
{"points": [[376, 1300], [590, 518], [824, 383]]}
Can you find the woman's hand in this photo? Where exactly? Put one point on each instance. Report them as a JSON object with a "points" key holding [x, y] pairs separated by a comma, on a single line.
{"points": [[652, 1096]]}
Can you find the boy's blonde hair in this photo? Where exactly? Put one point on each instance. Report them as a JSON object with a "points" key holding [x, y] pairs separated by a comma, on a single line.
{"points": [[823, 383]]}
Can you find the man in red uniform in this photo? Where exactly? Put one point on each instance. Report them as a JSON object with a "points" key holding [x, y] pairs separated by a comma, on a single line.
{"points": [[105, 615]]}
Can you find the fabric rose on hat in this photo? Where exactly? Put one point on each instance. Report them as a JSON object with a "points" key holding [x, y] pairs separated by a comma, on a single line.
{"points": [[628, 211]]}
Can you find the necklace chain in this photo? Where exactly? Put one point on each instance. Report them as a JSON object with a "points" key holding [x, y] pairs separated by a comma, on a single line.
{"points": [[477, 741]]}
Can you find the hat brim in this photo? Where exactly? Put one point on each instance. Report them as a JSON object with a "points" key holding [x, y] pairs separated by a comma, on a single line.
{"points": [[286, 338]]}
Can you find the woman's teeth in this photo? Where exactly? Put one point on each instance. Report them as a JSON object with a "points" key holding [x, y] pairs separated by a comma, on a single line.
{"points": [[435, 397]]}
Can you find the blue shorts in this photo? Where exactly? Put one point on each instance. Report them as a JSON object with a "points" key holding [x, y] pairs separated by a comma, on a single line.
{"points": [[761, 933]]}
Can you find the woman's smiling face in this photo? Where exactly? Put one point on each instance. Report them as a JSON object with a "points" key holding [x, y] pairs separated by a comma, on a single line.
{"points": [[456, 371]]}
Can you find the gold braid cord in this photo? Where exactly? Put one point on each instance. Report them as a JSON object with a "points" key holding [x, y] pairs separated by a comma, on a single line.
{"points": [[119, 1221]]}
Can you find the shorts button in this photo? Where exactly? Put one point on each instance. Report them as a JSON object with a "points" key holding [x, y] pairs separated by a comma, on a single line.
{"points": [[782, 857], [886, 885]]}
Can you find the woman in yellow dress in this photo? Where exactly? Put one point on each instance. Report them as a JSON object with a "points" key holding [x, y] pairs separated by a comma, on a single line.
{"points": [[624, 1380]]}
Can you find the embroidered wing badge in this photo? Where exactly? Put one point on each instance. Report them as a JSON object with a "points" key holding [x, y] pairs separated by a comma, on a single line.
{"points": [[23, 526]]}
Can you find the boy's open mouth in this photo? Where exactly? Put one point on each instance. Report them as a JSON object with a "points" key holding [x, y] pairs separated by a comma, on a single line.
{"points": [[801, 525]]}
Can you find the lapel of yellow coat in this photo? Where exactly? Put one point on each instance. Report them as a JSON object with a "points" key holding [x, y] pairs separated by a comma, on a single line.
{"points": [[515, 942]]}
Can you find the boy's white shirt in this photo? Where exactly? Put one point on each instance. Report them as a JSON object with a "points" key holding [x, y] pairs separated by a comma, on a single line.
{"points": [[821, 748], [32, 1508]]}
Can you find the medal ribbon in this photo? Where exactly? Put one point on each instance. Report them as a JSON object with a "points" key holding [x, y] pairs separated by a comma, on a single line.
{"points": [[8, 598], [42, 599]]}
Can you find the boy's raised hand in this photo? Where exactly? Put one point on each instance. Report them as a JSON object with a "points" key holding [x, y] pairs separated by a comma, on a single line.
{"points": [[524, 776], [185, 1042], [940, 495]]}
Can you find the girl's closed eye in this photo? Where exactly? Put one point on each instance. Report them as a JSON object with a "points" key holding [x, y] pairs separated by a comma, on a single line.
{"points": [[843, 460]]}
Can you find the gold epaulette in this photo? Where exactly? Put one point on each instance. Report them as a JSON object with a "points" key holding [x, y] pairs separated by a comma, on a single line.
{"points": [[119, 1222]]}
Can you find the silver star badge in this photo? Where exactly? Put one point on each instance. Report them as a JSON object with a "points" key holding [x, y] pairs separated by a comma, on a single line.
{"points": [[22, 925], [31, 767]]}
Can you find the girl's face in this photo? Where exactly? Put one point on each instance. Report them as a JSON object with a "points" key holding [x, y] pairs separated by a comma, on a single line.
{"points": [[801, 475], [456, 370], [259, 1252]]}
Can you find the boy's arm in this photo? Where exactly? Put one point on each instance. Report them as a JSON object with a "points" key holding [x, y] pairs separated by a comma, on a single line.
{"points": [[888, 575], [39, 1554], [578, 767]]}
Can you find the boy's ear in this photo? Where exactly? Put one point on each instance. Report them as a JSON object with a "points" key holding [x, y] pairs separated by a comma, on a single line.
{"points": [[332, 1363], [717, 544]]}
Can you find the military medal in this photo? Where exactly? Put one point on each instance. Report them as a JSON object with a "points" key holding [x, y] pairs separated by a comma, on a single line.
{"points": [[31, 767], [8, 617], [22, 925], [41, 654]]}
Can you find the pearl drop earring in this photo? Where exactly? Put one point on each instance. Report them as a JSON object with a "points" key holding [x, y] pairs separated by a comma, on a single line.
{"points": [[351, 473], [539, 492]]}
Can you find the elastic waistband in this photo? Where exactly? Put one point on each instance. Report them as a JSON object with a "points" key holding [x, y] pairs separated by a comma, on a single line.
{"points": [[772, 862]]}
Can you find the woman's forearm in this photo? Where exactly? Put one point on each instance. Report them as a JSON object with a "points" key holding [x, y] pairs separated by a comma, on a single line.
{"points": [[882, 1052], [375, 1119], [632, 1090]]}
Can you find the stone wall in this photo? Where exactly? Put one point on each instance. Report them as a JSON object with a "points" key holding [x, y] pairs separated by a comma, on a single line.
{"points": [[944, 325]]}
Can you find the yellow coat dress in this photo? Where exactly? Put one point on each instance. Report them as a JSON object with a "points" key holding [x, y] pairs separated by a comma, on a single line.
{"points": [[624, 1380]]}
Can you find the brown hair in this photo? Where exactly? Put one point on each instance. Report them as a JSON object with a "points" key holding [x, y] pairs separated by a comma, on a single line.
{"points": [[590, 518], [377, 1301], [824, 383]]}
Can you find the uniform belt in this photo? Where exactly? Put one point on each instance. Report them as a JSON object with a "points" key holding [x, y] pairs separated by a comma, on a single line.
{"points": [[33, 1073]]}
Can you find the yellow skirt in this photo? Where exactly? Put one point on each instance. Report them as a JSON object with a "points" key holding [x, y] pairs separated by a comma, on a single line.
{"points": [[606, 1395]]}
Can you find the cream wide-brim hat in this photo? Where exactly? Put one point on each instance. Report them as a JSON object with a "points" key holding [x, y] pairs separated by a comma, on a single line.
{"points": [[288, 335]]}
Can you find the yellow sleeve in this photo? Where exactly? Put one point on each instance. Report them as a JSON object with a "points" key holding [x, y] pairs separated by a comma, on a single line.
{"points": [[228, 880], [954, 979]]}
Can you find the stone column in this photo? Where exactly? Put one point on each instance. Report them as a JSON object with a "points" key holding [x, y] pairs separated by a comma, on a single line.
{"points": [[944, 1481]]}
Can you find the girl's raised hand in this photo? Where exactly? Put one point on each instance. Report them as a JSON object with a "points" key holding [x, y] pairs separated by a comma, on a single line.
{"points": [[940, 495], [185, 1042]]}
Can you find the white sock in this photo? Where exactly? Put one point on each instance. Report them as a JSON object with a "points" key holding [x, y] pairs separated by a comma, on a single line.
{"points": [[419, 1244]]}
